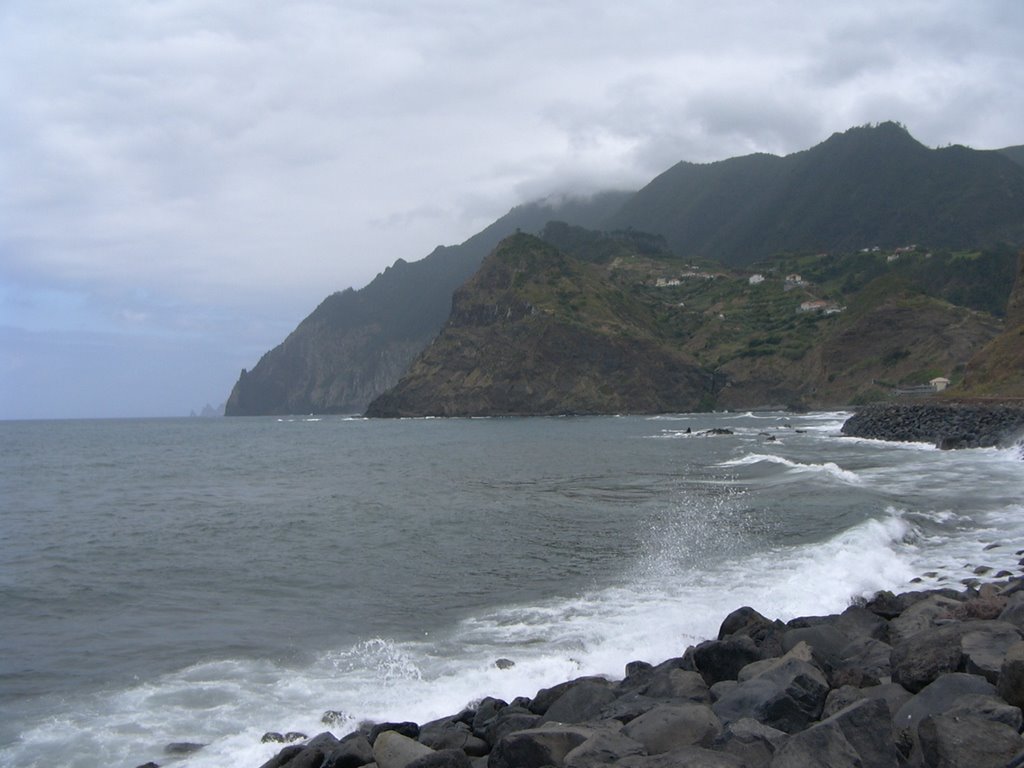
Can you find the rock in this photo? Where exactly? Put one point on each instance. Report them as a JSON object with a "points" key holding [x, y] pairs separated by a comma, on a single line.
{"points": [[921, 658], [548, 696], [629, 707], [407, 729], [984, 646], [752, 742], [687, 757], [872, 658], [445, 758], [935, 699], [508, 722], [391, 749], [1010, 684], [1013, 613], [272, 737], [325, 742], [353, 750], [670, 726], [788, 697], [988, 708], [679, 684], [182, 747], [826, 643], [840, 698], [486, 711], [817, 748], [858, 622], [580, 703], [967, 742], [333, 717], [718, 660], [920, 616], [283, 757], [604, 747], [537, 747], [451, 734], [309, 757], [504, 663]]}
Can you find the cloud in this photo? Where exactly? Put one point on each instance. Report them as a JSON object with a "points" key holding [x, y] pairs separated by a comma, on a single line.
{"points": [[243, 159]]}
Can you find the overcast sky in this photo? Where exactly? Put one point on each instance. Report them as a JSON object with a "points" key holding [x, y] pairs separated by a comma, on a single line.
{"points": [[182, 181]]}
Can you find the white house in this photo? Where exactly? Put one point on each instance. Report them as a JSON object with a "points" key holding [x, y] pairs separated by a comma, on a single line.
{"points": [[756, 279], [939, 383]]}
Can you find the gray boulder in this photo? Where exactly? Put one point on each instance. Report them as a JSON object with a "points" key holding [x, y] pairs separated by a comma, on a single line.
{"points": [[671, 726], [686, 757], [921, 658], [753, 742], [393, 750], [445, 758], [352, 751], [788, 697], [452, 734], [988, 708], [967, 742], [537, 747], [924, 614], [1011, 675], [984, 646], [580, 703], [935, 699], [679, 684], [606, 746], [718, 660]]}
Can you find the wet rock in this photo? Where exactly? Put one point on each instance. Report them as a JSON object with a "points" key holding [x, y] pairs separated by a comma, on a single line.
{"points": [[445, 758], [754, 743], [504, 663], [947, 740], [670, 726], [283, 757], [924, 656], [580, 703], [548, 696], [984, 646], [604, 747], [679, 684], [182, 747], [333, 717], [718, 660], [352, 751], [451, 734], [537, 747], [935, 699], [687, 757], [859, 735], [408, 729], [922, 615], [788, 697], [392, 749], [1010, 684]]}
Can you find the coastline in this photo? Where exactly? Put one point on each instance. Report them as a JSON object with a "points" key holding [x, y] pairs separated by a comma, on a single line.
{"points": [[946, 424], [932, 677]]}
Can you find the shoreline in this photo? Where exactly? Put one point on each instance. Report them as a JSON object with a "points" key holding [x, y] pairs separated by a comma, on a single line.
{"points": [[930, 677], [947, 425]]}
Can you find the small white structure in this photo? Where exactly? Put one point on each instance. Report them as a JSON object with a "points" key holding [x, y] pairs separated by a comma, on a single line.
{"points": [[756, 279], [939, 383]]}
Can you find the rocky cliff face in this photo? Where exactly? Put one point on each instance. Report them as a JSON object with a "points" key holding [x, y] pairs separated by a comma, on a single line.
{"points": [[537, 332], [997, 370]]}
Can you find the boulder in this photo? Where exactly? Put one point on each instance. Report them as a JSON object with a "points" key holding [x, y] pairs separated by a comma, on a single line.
{"points": [[984, 645], [924, 614], [679, 684], [686, 757], [1011, 675], [486, 711], [629, 707], [718, 660], [921, 658], [935, 699], [580, 703], [283, 757], [408, 729], [537, 747], [511, 719], [865, 658], [452, 734], [988, 708], [670, 726], [445, 758], [857, 622], [606, 746], [352, 751], [788, 697], [826, 643], [393, 750], [967, 742], [753, 742], [548, 696], [1013, 613]]}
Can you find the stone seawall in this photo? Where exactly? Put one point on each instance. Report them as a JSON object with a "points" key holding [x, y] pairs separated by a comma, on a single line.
{"points": [[930, 678], [947, 425]]}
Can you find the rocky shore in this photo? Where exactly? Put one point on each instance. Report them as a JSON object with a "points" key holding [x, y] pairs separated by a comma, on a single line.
{"points": [[929, 678], [947, 425]]}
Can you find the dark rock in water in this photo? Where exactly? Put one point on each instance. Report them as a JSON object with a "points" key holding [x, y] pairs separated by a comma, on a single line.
{"points": [[182, 748], [333, 717], [548, 696], [451, 734], [272, 737], [352, 751], [504, 663], [508, 722], [309, 757], [408, 729], [148, 765], [946, 740], [947, 425], [283, 757], [717, 431]]}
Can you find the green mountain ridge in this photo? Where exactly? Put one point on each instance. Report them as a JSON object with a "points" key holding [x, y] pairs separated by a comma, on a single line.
{"points": [[873, 186]]}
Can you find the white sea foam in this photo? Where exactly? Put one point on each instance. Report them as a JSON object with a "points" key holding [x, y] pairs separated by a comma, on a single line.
{"points": [[829, 467]]}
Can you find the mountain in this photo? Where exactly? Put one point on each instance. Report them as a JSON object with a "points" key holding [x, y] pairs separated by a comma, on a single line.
{"points": [[357, 343], [536, 331], [997, 370], [872, 187], [869, 186], [1014, 153], [579, 322]]}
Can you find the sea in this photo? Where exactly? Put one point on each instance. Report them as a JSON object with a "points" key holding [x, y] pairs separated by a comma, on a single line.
{"points": [[205, 581]]}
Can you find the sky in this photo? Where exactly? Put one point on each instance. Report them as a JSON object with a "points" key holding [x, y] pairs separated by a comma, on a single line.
{"points": [[183, 181]]}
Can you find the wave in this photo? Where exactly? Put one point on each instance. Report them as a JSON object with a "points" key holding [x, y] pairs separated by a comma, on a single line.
{"points": [[829, 468]]}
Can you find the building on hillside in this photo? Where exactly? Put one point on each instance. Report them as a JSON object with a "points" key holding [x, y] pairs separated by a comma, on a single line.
{"points": [[939, 383], [756, 279]]}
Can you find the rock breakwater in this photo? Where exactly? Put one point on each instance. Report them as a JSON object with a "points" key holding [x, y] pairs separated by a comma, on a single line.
{"points": [[947, 425], [928, 678]]}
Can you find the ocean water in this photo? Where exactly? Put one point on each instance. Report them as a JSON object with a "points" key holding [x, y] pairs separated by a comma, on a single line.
{"points": [[208, 580]]}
